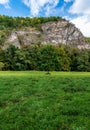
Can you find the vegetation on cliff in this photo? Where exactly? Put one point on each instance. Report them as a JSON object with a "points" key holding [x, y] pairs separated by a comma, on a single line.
{"points": [[18, 22], [88, 39]]}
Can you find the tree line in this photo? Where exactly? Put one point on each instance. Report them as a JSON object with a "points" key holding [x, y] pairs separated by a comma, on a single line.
{"points": [[18, 22], [45, 58]]}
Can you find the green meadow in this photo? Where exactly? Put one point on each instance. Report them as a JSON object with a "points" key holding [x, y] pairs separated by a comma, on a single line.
{"points": [[32, 100]]}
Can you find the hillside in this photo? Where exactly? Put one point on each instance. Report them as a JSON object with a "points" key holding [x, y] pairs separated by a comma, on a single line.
{"points": [[26, 31]]}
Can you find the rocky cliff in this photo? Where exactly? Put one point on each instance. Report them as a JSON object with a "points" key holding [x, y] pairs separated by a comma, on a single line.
{"points": [[58, 32]]}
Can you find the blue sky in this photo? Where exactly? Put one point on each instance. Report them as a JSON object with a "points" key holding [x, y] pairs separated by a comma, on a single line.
{"points": [[77, 11]]}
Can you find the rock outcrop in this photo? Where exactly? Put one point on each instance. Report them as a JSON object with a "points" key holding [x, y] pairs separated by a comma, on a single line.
{"points": [[65, 33], [61, 32]]}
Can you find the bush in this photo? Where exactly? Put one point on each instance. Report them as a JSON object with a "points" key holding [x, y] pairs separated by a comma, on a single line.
{"points": [[1, 65]]}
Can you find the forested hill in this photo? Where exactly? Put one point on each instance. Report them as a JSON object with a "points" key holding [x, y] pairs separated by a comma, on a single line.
{"points": [[51, 44], [19, 31]]}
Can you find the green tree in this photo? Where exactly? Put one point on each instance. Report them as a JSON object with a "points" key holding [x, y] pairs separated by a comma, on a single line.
{"points": [[48, 58], [64, 60], [83, 63], [9, 57], [1, 65]]}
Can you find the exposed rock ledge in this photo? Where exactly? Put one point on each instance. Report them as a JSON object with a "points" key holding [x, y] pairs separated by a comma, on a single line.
{"points": [[61, 32]]}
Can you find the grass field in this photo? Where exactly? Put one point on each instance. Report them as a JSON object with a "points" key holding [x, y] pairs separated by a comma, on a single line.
{"points": [[37, 101]]}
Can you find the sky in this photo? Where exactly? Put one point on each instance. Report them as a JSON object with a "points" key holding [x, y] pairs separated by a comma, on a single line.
{"points": [[76, 11]]}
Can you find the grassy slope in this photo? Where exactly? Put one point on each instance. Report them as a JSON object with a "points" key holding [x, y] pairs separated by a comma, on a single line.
{"points": [[36, 101]]}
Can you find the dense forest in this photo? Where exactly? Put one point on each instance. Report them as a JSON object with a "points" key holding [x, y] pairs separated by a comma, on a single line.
{"points": [[37, 56], [45, 57]]}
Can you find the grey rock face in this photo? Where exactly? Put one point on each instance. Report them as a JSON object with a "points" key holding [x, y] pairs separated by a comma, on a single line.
{"points": [[13, 39], [61, 32]]}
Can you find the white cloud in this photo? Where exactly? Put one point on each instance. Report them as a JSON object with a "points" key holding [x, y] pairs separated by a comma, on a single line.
{"points": [[4, 1], [83, 23], [67, 0], [82, 9], [37, 6]]}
